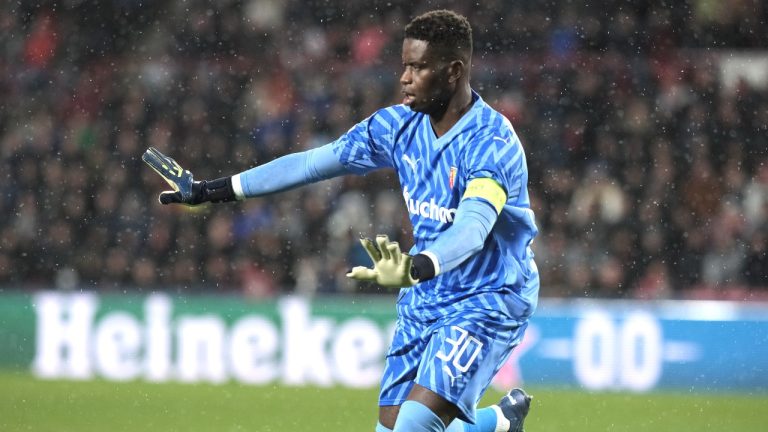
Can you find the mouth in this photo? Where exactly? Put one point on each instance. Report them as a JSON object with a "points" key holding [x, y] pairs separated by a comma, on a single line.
{"points": [[408, 98]]}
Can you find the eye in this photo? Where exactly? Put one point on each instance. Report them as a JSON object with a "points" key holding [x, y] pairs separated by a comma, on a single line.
{"points": [[413, 66]]}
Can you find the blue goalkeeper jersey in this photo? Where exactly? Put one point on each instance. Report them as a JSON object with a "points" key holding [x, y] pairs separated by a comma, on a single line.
{"points": [[433, 174]]}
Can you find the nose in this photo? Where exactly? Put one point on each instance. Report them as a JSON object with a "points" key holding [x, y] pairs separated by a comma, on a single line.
{"points": [[405, 78]]}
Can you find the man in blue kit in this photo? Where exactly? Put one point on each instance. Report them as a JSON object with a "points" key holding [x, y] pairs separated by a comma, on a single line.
{"points": [[469, 283]]}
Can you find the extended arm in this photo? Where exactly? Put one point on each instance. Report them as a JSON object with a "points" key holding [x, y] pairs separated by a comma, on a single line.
{"points": [[284, 173], [288, 172]]}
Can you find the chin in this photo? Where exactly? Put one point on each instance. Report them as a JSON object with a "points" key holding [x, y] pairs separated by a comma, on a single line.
{"points": [[420, 107], [417, 108]]}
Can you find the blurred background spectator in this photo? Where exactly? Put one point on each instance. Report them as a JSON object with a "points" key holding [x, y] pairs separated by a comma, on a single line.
{"points": [[645, 125]]}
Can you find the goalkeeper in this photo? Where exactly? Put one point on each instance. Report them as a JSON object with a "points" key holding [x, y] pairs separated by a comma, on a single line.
{"points": [[469, 283]]}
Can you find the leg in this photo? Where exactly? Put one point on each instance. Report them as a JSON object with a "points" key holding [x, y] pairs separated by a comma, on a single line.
{"points": [[381, 428], [400, 368], [506, 416], [462, 357], [433, 412], [438, 371], [388, 415], [440, 407], [440, 412], [415, 417]]}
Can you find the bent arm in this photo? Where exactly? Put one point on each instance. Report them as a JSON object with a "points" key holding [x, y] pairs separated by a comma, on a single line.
{"points": [[475, 216], [466, 237], [288, 172]]}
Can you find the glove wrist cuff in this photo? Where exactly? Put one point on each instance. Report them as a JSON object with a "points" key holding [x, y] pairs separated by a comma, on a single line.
{"points": [[219, 190], [422, 267]]}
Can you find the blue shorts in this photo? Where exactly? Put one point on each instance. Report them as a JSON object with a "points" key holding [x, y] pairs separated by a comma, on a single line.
{"points": [[455, 356]]}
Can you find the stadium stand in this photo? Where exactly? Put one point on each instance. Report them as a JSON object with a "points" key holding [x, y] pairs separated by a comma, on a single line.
{"points": [[645, 124]]}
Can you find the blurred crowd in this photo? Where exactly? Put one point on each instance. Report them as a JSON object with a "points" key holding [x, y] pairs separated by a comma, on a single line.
{"points": [[647, 147]]}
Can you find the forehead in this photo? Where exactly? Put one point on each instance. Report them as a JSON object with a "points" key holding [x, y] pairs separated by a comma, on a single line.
{"points": [[415, 50]]}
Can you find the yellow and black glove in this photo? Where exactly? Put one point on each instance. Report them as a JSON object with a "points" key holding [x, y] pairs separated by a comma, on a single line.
{"points": [[391, 267], [185, 189]]}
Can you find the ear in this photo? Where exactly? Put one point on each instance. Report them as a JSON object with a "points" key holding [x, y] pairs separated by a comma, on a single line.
{"points": [[456, 70]]}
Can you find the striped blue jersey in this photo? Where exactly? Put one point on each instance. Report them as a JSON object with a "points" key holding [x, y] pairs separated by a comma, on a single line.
{"points": [[434, 173]]}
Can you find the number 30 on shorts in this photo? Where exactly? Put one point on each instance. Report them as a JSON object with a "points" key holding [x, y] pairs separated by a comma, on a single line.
{"points": [[464, 350]]}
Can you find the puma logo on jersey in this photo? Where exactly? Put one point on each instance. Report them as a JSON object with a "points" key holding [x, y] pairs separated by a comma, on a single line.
{"points": [[412, 163], [448, 372]]}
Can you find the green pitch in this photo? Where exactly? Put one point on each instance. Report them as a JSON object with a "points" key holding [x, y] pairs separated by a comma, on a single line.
{"points": [[27, 404]]}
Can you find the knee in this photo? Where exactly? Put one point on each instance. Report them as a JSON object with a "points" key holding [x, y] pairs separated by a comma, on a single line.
{"points": [[388, 416], [416, 417]]}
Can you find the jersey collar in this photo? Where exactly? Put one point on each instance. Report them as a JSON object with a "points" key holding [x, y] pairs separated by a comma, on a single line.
{"points": [[468, 116]]}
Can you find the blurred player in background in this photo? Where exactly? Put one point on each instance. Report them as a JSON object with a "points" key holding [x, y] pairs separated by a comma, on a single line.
{"points": [[469, 283]]}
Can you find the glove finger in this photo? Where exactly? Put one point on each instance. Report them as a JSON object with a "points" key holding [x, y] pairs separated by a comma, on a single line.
{"points": [[167, 163], [167, 179], [176, 176], [169, 197], [370, 248], [362, 273], [185, 184], [165, 166], [394, 251], [382, 240]]}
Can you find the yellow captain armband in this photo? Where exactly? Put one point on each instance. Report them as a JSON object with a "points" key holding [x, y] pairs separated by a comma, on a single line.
{"points": [[488, 189]]}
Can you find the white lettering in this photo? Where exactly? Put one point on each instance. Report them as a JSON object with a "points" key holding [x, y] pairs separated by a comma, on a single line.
{"points": [[201, 349], [428, 209], [459, 348], [304, 344], [72, 343], [253, 343], [63, 335], [476, 346], [612, 355], [594, 356], [455, 343], [157, 311], [640, 352], [357, 353], [118, 340], [434, 209], [424, 209]]}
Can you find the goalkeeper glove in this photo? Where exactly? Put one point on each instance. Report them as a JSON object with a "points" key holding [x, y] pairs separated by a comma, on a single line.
{"points": [[185, 189], [391, 267]]}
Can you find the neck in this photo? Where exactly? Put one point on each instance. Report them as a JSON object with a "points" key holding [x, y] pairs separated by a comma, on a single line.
{"points": [[457, 106]]}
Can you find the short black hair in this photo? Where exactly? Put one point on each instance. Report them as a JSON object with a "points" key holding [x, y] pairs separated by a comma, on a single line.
{"points": [[443, 29]]}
